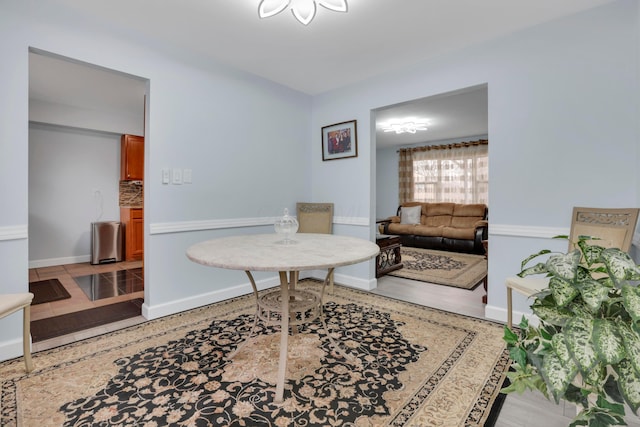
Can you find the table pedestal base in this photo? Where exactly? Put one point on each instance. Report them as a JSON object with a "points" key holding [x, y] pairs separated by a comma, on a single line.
{"points": [[288, 307]]}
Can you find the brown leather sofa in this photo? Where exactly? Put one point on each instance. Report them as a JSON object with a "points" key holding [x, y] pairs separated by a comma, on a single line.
{"points": [[443, 226]]}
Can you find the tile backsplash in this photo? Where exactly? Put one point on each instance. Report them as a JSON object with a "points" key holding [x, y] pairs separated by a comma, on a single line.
{"points": [[131, 194]]}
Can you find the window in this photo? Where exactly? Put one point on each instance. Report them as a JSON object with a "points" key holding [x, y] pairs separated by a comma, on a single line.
{"points": [[457, 173]]}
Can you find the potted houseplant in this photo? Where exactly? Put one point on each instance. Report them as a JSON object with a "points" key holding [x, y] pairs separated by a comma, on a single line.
{"points": [[586, 348]]}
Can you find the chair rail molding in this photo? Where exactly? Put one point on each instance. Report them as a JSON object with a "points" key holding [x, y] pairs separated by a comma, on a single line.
{"points": [[217, 224], [14, 232], [538, 232], [526, 231]]}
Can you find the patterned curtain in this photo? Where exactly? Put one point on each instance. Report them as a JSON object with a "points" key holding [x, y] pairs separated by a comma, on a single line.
{"points": [[405, 171], [457, 173]]}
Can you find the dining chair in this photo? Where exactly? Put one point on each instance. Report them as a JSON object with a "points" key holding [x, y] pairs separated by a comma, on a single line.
{"points": [[613, 228], [315, 218], [9, 304]]}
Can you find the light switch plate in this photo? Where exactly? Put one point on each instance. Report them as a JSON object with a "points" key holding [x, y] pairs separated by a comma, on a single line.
{"points": [[166, 175], [186, 176], [177, 176]]}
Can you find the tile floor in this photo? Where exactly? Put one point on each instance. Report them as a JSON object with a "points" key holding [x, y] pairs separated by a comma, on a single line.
{"points": [[80, 300]]}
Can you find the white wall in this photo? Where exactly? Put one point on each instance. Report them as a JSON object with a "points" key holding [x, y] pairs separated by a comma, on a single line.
{"points": [[563, 108], [238, 133], [73, 181], [386, 177], [563, 101]]}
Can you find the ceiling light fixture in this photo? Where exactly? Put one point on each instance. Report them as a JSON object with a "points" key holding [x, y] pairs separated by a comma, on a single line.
{"points": [[404, 126], [303, 10]]}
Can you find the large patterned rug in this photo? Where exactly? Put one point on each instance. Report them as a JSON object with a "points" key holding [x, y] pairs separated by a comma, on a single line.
{"points": [[413, 366], [460, 270]]}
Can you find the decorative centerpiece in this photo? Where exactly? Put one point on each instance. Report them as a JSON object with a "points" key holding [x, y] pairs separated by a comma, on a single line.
{"points": [[286, 226]]}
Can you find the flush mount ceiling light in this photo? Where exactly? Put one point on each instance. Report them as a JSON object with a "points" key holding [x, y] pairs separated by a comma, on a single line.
{"points": [[303, 10], [405, 126]]}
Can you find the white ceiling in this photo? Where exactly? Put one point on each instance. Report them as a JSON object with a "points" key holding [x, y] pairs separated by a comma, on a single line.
{"points": [[336, 49]]}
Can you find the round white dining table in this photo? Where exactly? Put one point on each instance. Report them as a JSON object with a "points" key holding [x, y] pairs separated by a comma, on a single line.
{"points": [[270, 252]]}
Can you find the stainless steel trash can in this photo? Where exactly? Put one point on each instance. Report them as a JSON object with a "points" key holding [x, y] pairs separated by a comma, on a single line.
{"points": [[106, 242]]}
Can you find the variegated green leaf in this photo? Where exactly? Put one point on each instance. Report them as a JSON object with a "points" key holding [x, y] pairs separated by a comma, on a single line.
{"points": [[629, 384], [583, 274], [595, 375], [557, 374], [552, 315], [559, 345], [620, 265], [631, 340], [530, 257], [578, 332], [591, 253], [562, 290], [564, 265], [631, 300], [536, 269], [607, 341], [594, 293]]}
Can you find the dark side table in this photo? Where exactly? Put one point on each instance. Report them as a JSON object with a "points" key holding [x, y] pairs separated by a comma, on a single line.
{"points": [[389, 258]]}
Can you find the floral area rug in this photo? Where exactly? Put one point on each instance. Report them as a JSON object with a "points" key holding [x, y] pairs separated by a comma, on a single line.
{"points": [[460, 270], [412, 366]]}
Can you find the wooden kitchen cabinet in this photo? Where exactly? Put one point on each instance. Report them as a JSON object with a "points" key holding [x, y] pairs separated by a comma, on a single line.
{"points": [[133, 221], [131, 157]]}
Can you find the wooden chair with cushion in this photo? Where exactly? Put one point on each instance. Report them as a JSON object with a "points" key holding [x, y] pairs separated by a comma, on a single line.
{"points": [[315, 218], [9, 304], [614, 228]]}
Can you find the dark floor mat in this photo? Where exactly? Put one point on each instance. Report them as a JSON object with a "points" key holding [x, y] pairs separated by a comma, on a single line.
{"points": [[47, 291], [73, 322]]}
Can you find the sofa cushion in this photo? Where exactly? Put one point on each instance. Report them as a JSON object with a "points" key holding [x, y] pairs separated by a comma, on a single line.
{"points": [[437, 214], [424, 230], [410, 215], [458, 233], [465, 221], [440, 208], [468, 216], [477, 210], [413, 229]]}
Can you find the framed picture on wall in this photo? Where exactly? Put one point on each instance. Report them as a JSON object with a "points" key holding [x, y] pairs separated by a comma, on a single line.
{"points": [[340, 141]]}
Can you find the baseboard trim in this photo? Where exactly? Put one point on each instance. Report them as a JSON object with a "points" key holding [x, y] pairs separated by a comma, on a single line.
{"points": [[59, 261], [11, 349], [499, 314], [177, 306]]}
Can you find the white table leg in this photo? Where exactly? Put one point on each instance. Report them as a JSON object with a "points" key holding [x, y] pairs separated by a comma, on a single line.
{"points": [[284, 336]]}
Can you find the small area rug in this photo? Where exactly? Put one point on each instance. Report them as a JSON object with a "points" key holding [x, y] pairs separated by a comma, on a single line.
{"points": [[460, 270], [47, 291], [65, 324], [413, 366]]}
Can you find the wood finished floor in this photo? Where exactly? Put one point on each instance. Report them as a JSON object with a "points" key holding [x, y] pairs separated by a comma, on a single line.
{"points": [[527, 410]]}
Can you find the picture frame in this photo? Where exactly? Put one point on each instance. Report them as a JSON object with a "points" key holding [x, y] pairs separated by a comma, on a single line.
{"points": [[340, 141]]}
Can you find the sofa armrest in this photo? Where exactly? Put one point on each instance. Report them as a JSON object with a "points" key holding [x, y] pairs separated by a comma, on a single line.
{"points": [[481, 223], [385, 225], [481, 233]]}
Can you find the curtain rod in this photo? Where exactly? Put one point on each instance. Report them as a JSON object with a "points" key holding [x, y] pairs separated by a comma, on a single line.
{"points": [[447, 146]]}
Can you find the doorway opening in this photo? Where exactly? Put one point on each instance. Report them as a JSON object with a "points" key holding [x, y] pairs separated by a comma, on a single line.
{"points": [[78, 113], [449, 118]]}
